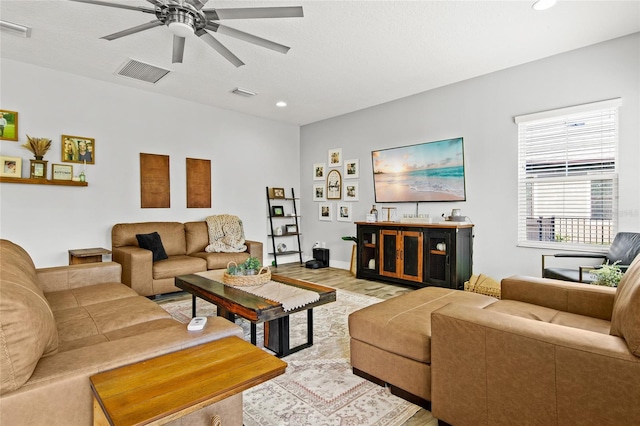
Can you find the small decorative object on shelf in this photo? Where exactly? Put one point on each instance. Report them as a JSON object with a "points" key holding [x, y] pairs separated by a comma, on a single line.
{"points": [[38, 146], [38, 169], [374, 212]]}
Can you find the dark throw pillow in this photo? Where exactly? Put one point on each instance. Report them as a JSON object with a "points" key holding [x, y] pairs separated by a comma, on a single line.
{"points": [[152, 242]]}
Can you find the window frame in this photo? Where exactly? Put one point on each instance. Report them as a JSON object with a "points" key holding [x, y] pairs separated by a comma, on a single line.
{"points": [[523, 180]]}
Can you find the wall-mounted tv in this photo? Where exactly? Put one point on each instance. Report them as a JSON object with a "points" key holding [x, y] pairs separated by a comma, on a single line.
{"points": [[431, 171]]}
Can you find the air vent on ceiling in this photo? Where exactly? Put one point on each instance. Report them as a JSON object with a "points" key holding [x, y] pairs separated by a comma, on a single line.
{"points": [[141, 71]]}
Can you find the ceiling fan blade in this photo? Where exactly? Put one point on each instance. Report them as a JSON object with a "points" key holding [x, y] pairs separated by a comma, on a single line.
{"points": [[137, 29], [249, 38], [218, 47], [178, 49], [198, 4], [118, 5], [254, 13]]}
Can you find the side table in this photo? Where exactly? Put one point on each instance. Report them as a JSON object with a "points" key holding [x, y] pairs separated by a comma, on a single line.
{"points": [[173, 385], [90, 255]]}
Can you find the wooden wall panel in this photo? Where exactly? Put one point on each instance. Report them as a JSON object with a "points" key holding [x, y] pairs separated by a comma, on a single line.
{"points": [[155, 190], [198, 183]]}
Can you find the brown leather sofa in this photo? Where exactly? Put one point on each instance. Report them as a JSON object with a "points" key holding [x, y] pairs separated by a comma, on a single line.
{"points": [[549, 352], [61, 325], [184, 244]]}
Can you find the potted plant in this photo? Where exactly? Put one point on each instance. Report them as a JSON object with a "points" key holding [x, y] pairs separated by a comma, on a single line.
{"points": [[252, 265], [608, 275]]}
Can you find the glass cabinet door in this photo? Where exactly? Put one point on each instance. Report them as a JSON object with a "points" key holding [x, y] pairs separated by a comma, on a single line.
{"points": [[389, 253], [412, 255]]}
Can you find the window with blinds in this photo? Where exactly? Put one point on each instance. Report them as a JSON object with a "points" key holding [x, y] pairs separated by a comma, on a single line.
{"points": [[567, 176]]}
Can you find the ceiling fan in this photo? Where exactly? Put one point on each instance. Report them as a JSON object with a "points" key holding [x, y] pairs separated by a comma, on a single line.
{"points": [[186, 17]]}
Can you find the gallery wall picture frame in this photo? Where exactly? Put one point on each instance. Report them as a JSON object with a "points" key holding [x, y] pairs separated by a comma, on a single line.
{"points": [[351, 169], [335, 157], [325, 211], [10, 166], [343, 212], [61, 172], [276, 193], [8, 125], [334, 185], [319, 171], [351, 191], [318, 192], [277, 211], [78, 149]]}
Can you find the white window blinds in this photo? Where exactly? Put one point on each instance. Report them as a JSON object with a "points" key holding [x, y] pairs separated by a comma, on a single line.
{"points": [[567, 178]]}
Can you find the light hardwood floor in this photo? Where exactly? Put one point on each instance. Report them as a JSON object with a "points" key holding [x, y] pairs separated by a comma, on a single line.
{"points": [[340, 278]]}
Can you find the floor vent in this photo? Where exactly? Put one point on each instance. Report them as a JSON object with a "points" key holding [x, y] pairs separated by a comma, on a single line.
{"points": [[141, 71]]}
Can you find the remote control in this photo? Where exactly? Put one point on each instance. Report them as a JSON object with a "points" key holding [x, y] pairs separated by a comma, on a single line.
{"points": [[197, 323]]}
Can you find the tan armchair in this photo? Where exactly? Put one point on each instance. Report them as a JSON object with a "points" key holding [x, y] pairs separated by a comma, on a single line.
{"points": [[550, 352]]}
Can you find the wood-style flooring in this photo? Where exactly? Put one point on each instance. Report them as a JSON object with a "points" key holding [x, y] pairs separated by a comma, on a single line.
{"points": [[340, 278]]}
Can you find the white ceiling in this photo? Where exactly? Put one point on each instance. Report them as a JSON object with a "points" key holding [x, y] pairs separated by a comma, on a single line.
{"points": [[345, 55]]}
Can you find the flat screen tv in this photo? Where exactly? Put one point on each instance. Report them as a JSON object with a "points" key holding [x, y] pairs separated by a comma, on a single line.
{"points": [[431, 171]]}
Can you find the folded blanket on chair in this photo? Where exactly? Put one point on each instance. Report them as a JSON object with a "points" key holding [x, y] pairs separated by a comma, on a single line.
{"points": [[225, 234]]}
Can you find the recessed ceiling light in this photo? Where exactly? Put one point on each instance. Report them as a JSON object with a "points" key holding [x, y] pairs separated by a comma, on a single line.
{"points": [[281, 104], [543, 4]]}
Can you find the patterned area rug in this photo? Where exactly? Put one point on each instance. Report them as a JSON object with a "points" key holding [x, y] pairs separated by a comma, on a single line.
{"points": [[318, 387]]}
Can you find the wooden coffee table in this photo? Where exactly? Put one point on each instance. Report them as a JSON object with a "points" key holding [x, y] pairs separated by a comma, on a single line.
{"points": [[232, 301], [161, 389]]}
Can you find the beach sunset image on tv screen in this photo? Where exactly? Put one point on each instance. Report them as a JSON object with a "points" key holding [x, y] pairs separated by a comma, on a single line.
{"points": [[432, 171]]}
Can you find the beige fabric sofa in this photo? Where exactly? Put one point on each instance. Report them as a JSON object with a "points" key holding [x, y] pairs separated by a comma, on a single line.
{"points": [[549, 352], [184, 243], [59, 326]]}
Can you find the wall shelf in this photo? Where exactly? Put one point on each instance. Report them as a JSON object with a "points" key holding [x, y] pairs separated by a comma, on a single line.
{"points": [[30, 181]]}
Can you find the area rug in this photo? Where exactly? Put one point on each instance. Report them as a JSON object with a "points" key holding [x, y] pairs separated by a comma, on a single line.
{"points": [[318, 387]]}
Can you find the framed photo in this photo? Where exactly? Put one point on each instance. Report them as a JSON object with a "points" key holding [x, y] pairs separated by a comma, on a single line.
{"points": [[344, 212], [276, 192], [324, 211], [8, 125], [78, 149], [277, 211], [351, 191], [38, 169], [334, 185], [351, 169], [335, 157], [319, 171], [10, 166], [61, 171], [292, 229], [318, 192]]}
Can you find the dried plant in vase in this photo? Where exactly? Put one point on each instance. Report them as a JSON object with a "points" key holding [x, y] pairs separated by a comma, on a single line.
{"points": [[39, 146]]}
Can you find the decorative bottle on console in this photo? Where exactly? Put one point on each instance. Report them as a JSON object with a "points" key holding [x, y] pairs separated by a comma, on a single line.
{"points": [[374, 212]]}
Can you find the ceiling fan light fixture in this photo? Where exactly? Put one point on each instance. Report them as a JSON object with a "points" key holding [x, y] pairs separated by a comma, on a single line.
{"points": [[180, 29], [543, 4]]}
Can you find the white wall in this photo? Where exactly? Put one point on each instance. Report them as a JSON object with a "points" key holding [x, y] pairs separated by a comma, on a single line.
{"points": [[247, 153], [481, 110]]}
